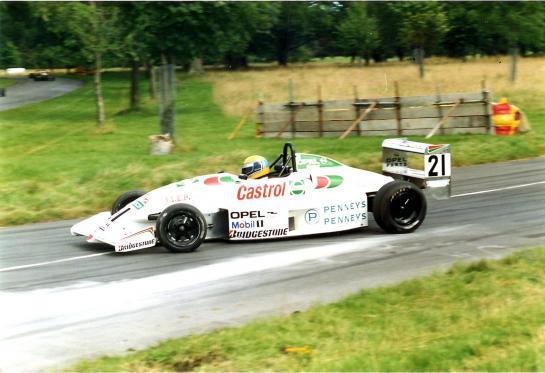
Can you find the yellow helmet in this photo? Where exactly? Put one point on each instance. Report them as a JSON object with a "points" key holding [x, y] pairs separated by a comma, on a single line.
{"points": [[255, 166]]}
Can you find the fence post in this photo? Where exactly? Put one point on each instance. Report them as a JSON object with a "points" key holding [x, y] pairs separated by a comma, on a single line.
{"points": [[398, 109], [292, 107], [167, 98], [486, 102], [320, 112], [514, 53], [357, 107], [260, 116], [439, 108]]}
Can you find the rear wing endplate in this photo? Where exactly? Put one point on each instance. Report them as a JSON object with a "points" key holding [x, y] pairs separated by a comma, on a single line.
{"points": [[426, 165]]}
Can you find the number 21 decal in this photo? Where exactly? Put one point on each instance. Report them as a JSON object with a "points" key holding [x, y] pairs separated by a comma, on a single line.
{"points": [[437, 165]]}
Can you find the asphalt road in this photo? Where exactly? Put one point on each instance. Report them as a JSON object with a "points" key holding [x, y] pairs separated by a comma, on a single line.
{"points": [[27, 91], [63, 299]]}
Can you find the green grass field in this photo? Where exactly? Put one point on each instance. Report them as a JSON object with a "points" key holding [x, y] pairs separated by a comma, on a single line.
{"points": [[55, 164], [484, 316]]}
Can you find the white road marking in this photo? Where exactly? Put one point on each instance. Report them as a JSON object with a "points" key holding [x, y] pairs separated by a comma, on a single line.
{"points": [[53, 262], [72, 305], [498, 189]]}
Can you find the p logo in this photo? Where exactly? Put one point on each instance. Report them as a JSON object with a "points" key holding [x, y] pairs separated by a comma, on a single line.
{"points": [[312, 217]]}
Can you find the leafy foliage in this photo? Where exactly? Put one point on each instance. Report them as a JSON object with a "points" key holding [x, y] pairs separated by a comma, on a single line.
{"points": [[358, 32], [49, 34]]}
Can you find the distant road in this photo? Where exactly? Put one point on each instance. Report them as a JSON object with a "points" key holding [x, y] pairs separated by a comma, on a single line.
{"points": [[27, 91]]}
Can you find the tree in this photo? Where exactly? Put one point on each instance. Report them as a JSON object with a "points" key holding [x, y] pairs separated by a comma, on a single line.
{"points": [[93, 27], [464, 36], [133, 22], [388, 24], [422, 26], [293, 31], [234, 26], [357, 33]]}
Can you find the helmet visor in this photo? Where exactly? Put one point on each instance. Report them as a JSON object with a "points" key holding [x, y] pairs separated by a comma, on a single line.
{"points": [[249, 169]]}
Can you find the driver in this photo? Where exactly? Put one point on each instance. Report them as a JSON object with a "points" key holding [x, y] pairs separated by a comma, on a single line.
{"points": [[255, 166]]}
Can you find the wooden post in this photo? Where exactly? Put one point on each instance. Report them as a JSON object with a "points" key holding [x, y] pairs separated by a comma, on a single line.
{"points": [[439, 107], [292, 111], [291, 121], [419, 59], [260, 116], [443, 120], [320, 112], [514, 53], [486, 103], [358, 120], [398, 109], [356, 107], [240, 124]]}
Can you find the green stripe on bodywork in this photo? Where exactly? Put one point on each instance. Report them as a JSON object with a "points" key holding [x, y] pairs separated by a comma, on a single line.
{"points": [[227, 179], [307, 160], [334, 181]]}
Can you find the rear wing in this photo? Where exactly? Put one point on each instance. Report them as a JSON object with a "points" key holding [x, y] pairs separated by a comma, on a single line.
{"points": [[426, 165]]}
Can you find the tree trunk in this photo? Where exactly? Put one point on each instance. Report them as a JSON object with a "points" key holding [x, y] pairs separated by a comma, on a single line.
{"points": [[283, 51], [101, 117], [419, 59], [151, 85], [400, 54], [235, 62], [196, 66], [135, 82], [283, 58]]}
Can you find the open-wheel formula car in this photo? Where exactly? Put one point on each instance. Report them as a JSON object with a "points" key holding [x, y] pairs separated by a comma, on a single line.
{"points": [[303, 194]]}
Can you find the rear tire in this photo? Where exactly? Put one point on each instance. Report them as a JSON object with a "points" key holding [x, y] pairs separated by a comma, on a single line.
{"points": [[126, 198], [399, 207], [181, 228]]}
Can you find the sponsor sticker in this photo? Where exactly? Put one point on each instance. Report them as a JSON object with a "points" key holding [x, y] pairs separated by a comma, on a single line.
{"points": [[135, 245], [266, 233], [352, 213], [312, 217], [246, 192], [177, 197], [141, 202], [137, 241], [394, 161], [311, 160], [257, 224], [345, 213]]}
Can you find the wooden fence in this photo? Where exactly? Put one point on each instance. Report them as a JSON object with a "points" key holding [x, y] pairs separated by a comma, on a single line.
{"points": [[452, 113]]}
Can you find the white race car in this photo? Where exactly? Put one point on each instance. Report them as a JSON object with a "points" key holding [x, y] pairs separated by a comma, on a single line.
{"points": [[303, 194]]}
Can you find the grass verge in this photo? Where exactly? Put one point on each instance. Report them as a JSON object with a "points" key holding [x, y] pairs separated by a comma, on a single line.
{"points": [[483, 316], [55, 164], [6, 82]]}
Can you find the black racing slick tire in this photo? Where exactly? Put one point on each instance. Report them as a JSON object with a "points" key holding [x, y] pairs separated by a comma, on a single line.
{"points": [[181, 228], [399, 207], [126, 198]]}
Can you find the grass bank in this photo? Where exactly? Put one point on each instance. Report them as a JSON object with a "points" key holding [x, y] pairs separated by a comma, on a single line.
{"points": [[55, 164], [484, 316], [7, 82]]}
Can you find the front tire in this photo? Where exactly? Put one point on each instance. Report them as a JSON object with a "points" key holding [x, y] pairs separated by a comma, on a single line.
{"points": [[399, 207], [181, 228], [126, 198]]}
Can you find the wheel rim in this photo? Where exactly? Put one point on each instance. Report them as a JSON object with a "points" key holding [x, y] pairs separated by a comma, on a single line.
{"points": [[183, 229], [405, 208]]}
